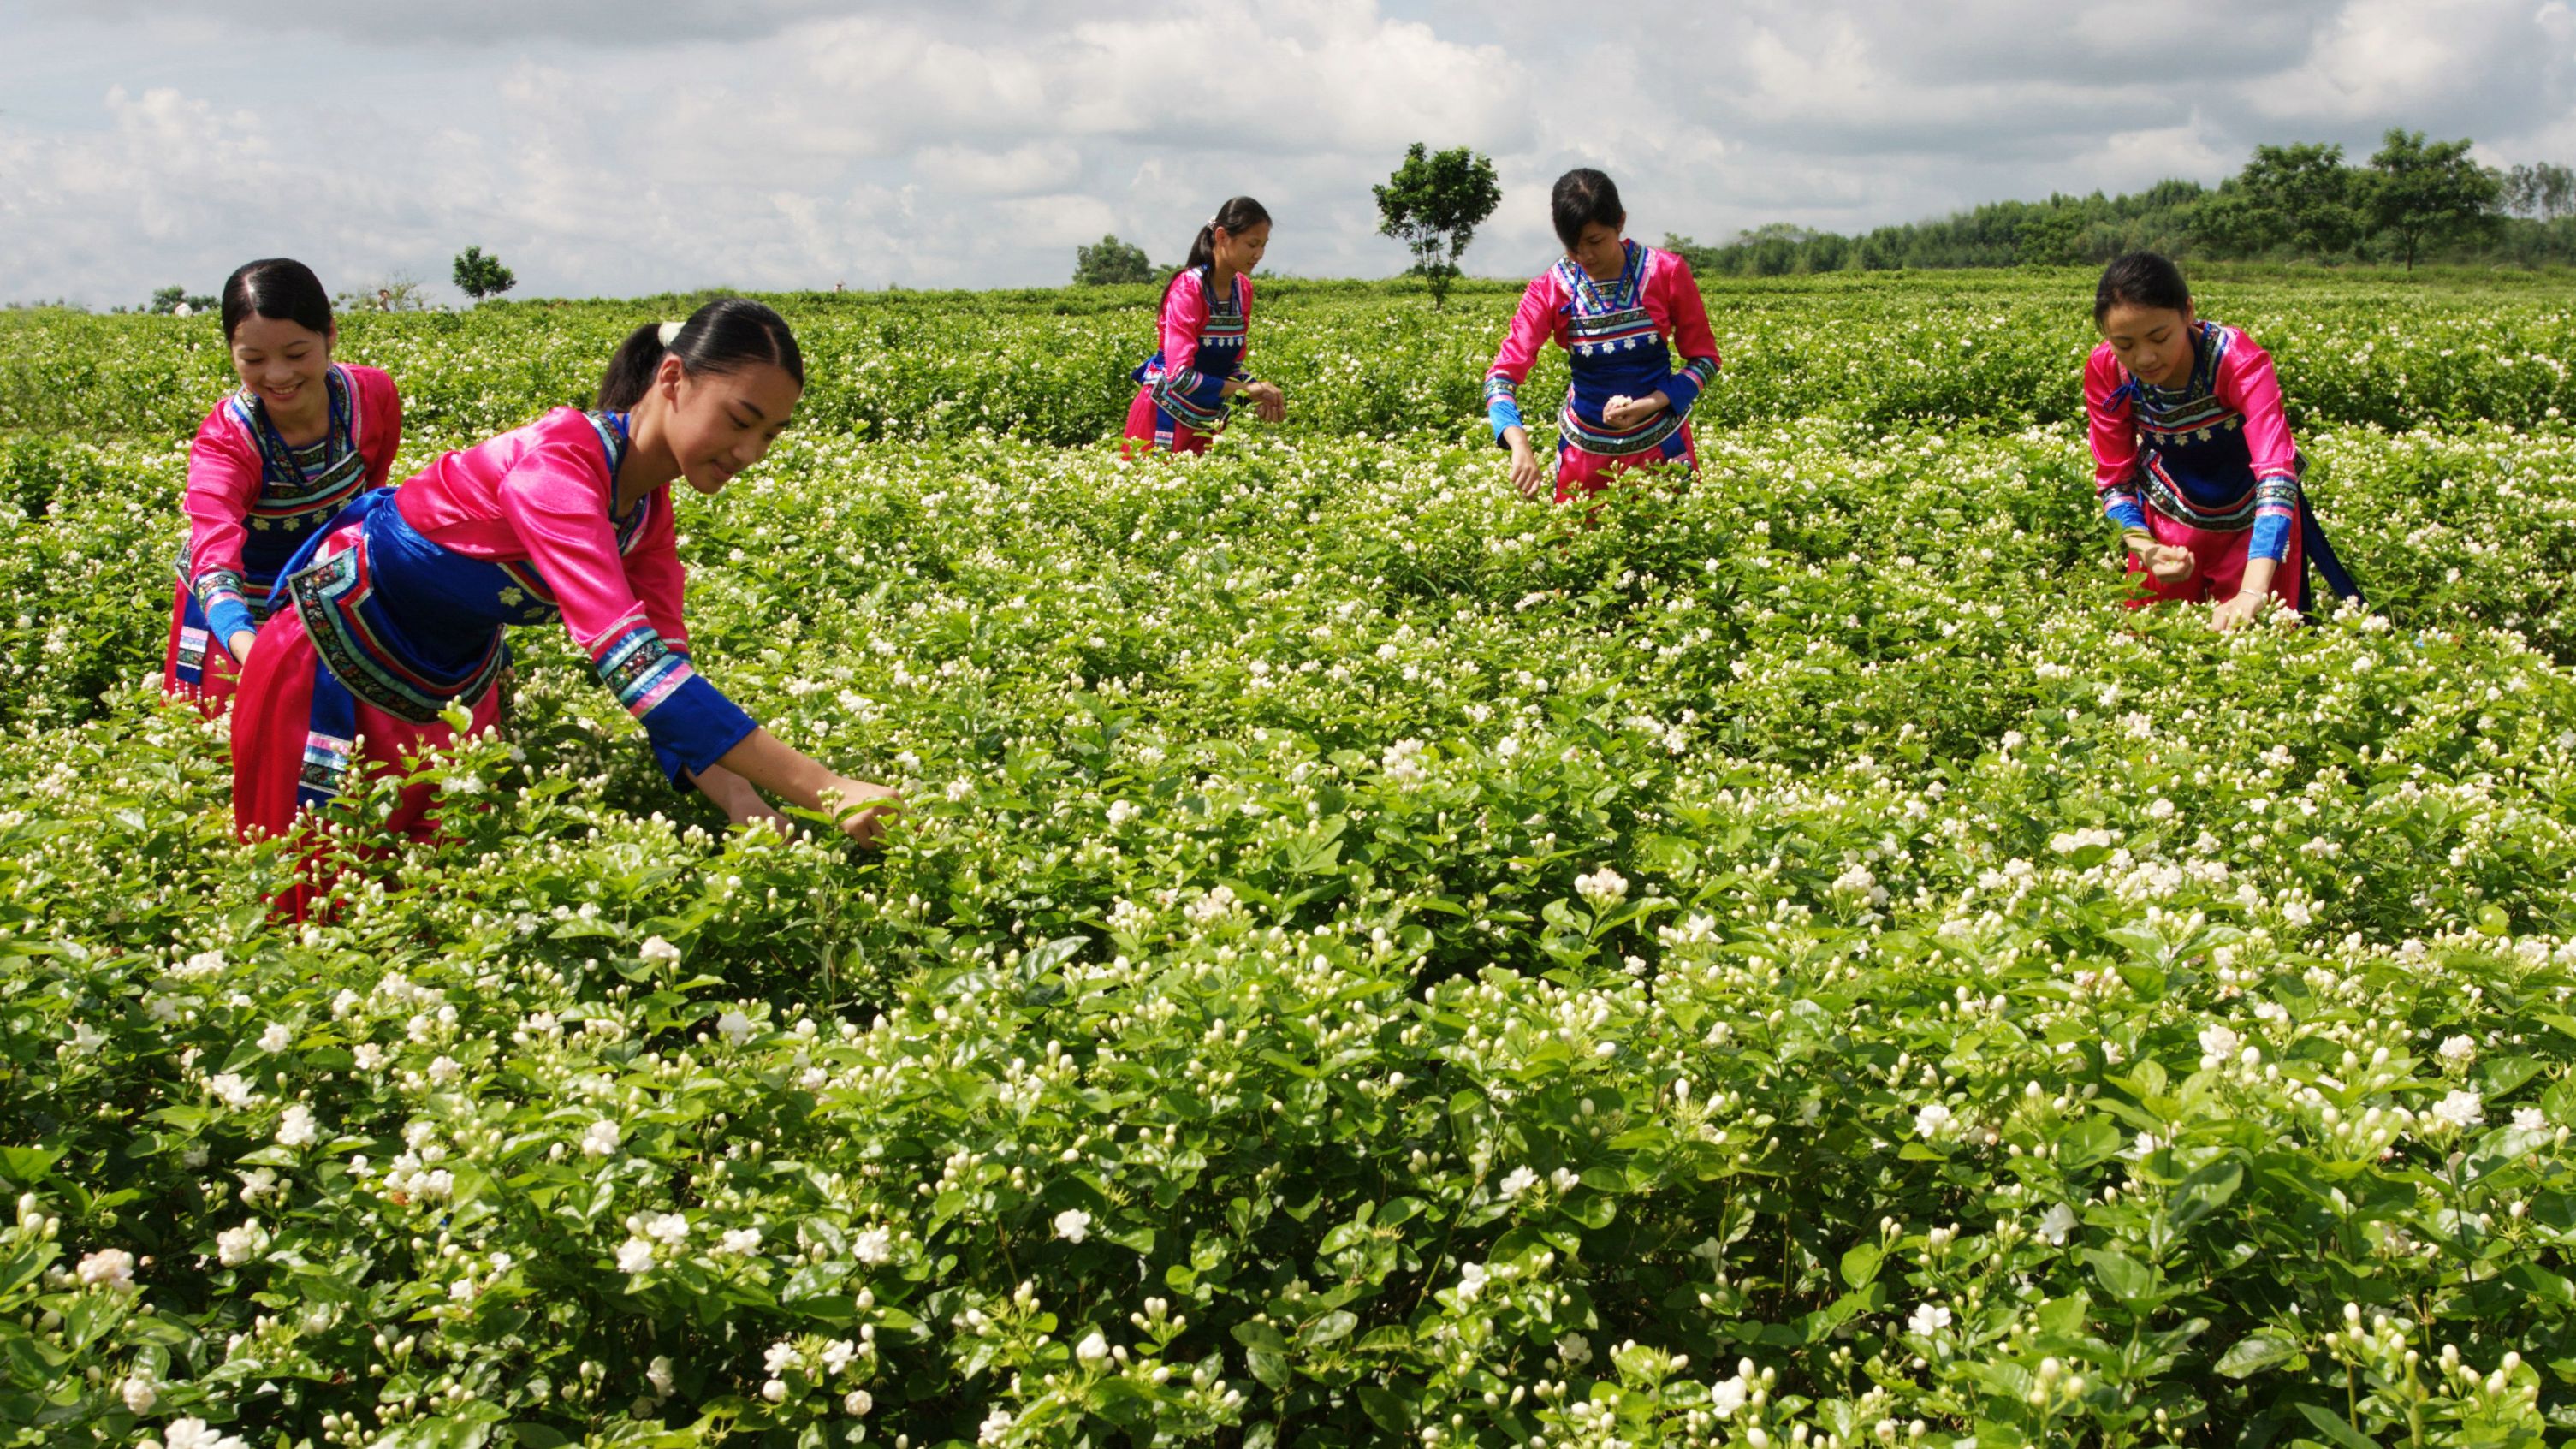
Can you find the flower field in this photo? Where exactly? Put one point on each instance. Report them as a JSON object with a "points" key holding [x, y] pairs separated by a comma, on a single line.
{"points": [[1788, 962]]}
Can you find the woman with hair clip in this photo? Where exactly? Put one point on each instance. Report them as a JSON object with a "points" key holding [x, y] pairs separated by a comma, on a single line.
{"points": [[398, 609], [1621, 311], [2192, 455], [1204, 320], [270, 465]]}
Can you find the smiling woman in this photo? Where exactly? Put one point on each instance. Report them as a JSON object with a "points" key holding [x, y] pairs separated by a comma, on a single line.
{"points": [[269, 466], [394, 614]]}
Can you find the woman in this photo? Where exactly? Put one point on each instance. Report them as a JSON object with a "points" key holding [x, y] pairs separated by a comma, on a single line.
{"points": [[269, 466], [1620, 311], [400, 608], [1205, 321], [2192, 454]]}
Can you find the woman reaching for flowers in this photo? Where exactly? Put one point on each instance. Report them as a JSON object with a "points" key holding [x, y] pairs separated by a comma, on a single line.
{"points": [[398, 609], [1205, 324], [1621, 311], [2192, 454]]}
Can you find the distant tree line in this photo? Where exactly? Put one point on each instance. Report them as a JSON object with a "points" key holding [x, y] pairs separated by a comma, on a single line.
{"points": [[2414, 201]]}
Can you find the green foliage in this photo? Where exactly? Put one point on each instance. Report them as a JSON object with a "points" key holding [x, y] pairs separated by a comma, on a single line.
{"points": [[2299, 199], [167, 300], [1433, 203], [479, 276], [1111, 263], [2422, 196], [1366, 954], [2542, 191]]}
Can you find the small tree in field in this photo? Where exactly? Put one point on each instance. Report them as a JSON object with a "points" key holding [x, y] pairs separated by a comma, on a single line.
{"points": [[2425, 195], [479, 276], [1433, 204], [1110, 263]]}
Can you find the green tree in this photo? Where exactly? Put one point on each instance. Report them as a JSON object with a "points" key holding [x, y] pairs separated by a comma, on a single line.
{"points": [[1110, 263], [2050, 235], [2422, 196], [479, 276], [1433, 204], [2301, 199], [166, 300], [2542, 191]]}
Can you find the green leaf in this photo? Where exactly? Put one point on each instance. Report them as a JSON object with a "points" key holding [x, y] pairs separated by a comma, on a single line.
{"points": [[1860, 1265], [2204, 1192], [2257, 1351], [2334, 1428], [2121, 1276]]}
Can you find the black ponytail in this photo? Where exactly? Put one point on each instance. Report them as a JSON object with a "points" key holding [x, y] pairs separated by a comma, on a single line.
{"points": [[1582, 197], [1239, 214], [2140, 279], [726, 335], [276, 287]]}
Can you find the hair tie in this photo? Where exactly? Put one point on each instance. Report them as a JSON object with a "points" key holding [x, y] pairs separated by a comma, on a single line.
{"points": [[671, 332]]}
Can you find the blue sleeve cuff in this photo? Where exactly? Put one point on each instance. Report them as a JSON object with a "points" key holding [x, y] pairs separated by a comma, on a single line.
{"points": [[1504, 414], [226, 617], [1680, 391], [2271, 538], [2124, 511]]}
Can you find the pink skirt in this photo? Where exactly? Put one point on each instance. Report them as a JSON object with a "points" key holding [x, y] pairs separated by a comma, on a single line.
{"points": [[218, 675], [1580, 474], [2218, 564], [272, 721], [1150, 430]]}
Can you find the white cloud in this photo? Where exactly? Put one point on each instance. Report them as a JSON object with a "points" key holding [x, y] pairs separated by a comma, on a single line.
{"points": [[773, 143]]}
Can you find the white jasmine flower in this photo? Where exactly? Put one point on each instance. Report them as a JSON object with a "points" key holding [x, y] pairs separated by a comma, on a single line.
{"points": [[1574, 1350], [108, 1267], [600, 1139], [230, 1089], [739, 1242], [139, 1393], [2458, 1051], [1928, 1319], [658, 950], [274, 1039], [2459, 1111], [296, 1128], [634, 1256], [236, 1246], [658, 1372], [1603, 888], [1073, 1225], [859, 1402], [1932, 1120], [735, 1026], [1519, 1180], [1093, 1351], [873, 1246]]}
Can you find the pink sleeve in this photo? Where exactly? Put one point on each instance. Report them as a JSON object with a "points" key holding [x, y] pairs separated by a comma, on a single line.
{"points": [[1532, 325], [379, 421], [660, 580], [1185, 311], [1694, 344], [224, 473], [2111, 422], [2247, 383], [556, 500]]}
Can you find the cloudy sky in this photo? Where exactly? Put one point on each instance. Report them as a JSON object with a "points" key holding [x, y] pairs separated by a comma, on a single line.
{"points": [[615, 147]]}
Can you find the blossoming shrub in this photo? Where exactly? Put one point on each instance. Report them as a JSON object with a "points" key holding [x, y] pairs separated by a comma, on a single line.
{"points": [[1793, 960]]}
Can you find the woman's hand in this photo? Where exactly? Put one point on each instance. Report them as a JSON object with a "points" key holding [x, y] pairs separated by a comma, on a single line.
{"points": [[240, 643], [1527, 475], [2244, 608], [1268, 403], [2167, 563], [867, 826], [1628, 412], [741, 803]]}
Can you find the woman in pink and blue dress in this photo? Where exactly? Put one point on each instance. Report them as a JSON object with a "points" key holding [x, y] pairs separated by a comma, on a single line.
{"points": [[398, 609], [1623, 312], [2192, 454], [1184, 390], [270, 465]]}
